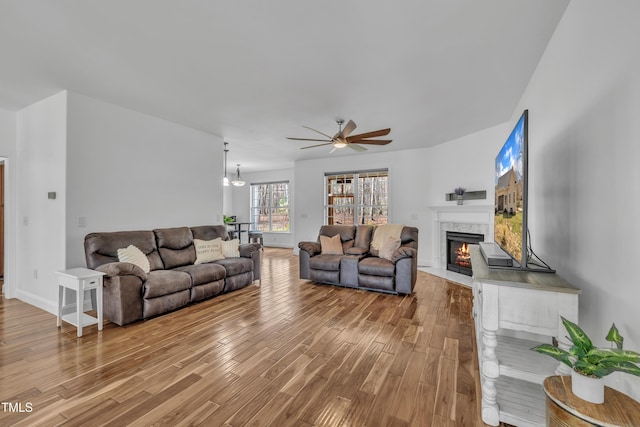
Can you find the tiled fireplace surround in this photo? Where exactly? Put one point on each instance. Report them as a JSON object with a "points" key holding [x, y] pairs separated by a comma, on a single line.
{"points": [[460, 218]]}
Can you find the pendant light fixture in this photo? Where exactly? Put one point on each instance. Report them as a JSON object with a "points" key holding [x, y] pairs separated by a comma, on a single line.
{"points": [[238, 181], [225, 180]]}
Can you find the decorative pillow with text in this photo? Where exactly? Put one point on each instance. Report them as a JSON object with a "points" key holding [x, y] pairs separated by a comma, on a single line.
{"points": [[208, 250]]}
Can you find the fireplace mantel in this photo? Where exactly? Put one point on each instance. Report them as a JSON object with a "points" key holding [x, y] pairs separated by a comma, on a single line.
{"points": [[462, 218]]}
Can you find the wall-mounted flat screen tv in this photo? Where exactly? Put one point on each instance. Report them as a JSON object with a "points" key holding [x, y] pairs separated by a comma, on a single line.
{"points": [[510, 221]]}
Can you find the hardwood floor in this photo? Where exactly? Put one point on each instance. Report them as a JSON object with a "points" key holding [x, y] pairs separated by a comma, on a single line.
{"points": [[288, 352]]}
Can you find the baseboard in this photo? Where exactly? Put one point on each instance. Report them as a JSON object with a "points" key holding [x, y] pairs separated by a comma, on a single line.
{"points": [[37, 301]]}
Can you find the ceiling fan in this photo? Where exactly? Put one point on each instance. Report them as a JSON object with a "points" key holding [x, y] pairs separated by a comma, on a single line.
{"points": [[343, 139]]}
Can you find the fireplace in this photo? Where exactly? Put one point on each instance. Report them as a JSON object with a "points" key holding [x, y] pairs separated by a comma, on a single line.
{"points": [[458, 258]]}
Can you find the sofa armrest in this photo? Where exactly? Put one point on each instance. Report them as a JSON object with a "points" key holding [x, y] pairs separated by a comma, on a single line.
{"points": [[114, 269], [122, 297], [403, 252], [312, 248], [247, 249]]}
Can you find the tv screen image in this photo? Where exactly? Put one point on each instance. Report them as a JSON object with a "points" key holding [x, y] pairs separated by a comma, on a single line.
{"points": [[510, 221]]}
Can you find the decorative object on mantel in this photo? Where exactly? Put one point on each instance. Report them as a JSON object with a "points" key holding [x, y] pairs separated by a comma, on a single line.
{"points": [[589, 365], [466, 195], [238, 181], [459, 191]]}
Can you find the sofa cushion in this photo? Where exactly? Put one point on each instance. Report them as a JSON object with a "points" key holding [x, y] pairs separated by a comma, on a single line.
{"points": [[347, 234], [210, 232], [208, 250], [375, 266], [133, 255], [164, 282], [204, 273], [102, 248], [175, 246], [363, 237], [325, 262], [235, 266], [331, 245]]}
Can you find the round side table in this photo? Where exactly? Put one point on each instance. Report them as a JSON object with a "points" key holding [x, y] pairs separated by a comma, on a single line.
{"points": [[566, 409]]}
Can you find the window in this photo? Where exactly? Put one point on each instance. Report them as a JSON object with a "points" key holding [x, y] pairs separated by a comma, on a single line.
{"points": [[270, 206], [357, 197]]}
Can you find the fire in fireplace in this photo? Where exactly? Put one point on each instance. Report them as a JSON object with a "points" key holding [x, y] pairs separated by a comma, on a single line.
{"points": [[458, 258]]}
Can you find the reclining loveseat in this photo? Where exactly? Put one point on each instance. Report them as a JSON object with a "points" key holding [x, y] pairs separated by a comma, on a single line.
{"points": [[177, 274], [358, 258]]}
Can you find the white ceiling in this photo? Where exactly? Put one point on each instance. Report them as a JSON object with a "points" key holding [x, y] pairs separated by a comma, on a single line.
{"points": [[255, 71]]}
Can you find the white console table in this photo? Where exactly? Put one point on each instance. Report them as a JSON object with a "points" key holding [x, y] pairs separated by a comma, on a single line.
{"points": [[514, 311]]}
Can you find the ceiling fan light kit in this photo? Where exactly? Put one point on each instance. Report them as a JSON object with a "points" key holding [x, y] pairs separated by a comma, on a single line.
{"points": [[343, 139]]}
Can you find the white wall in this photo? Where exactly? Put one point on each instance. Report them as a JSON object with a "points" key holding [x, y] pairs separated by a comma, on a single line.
{"points": [[131, 171], [584, 109], [41, 154], [8, 131], [115, 168]]}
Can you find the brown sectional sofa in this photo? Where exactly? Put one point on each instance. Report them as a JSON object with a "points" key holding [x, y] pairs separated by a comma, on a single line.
{"points": [[174, 281], [360, 266]]}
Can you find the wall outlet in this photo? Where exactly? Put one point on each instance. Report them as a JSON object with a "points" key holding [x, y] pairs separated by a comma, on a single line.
{"points": [[25, 220], [82, 221], [35, 273]]}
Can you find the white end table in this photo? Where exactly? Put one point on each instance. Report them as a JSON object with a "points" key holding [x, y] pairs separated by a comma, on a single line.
{"points": [[80, 280]]}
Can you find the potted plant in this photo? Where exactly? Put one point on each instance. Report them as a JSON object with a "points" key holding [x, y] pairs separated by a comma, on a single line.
{"points": [[459, 191], [589, 364]]}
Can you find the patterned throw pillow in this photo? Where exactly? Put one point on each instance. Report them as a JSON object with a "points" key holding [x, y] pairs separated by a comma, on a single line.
{"points": [[231, 248], [135, 256], [331, 245], [208, 250]]}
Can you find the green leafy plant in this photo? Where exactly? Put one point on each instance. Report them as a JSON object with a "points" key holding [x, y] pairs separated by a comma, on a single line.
{"points": [[227, 219], [591, 361]]}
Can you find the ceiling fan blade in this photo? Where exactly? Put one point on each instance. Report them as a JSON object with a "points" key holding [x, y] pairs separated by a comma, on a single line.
{"points": [[309, 139], [372, 141], [373, 134], [358, 148], [321, 133], [333, 149], [348, 128], [319, 145]]}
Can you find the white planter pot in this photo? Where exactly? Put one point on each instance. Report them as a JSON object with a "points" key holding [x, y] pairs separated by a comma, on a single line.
{"points": [[586, 388]]}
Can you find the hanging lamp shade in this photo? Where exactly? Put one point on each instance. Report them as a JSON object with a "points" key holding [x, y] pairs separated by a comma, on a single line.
{"points": [[238, 181]]}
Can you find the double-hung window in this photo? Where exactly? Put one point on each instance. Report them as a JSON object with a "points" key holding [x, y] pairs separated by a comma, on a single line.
{"points": [[357, 197], [270, 206]]}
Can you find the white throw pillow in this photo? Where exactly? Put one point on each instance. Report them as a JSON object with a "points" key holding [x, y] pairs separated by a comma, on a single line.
{"points": [[135, 256], [208, 250], [231, 248]]}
